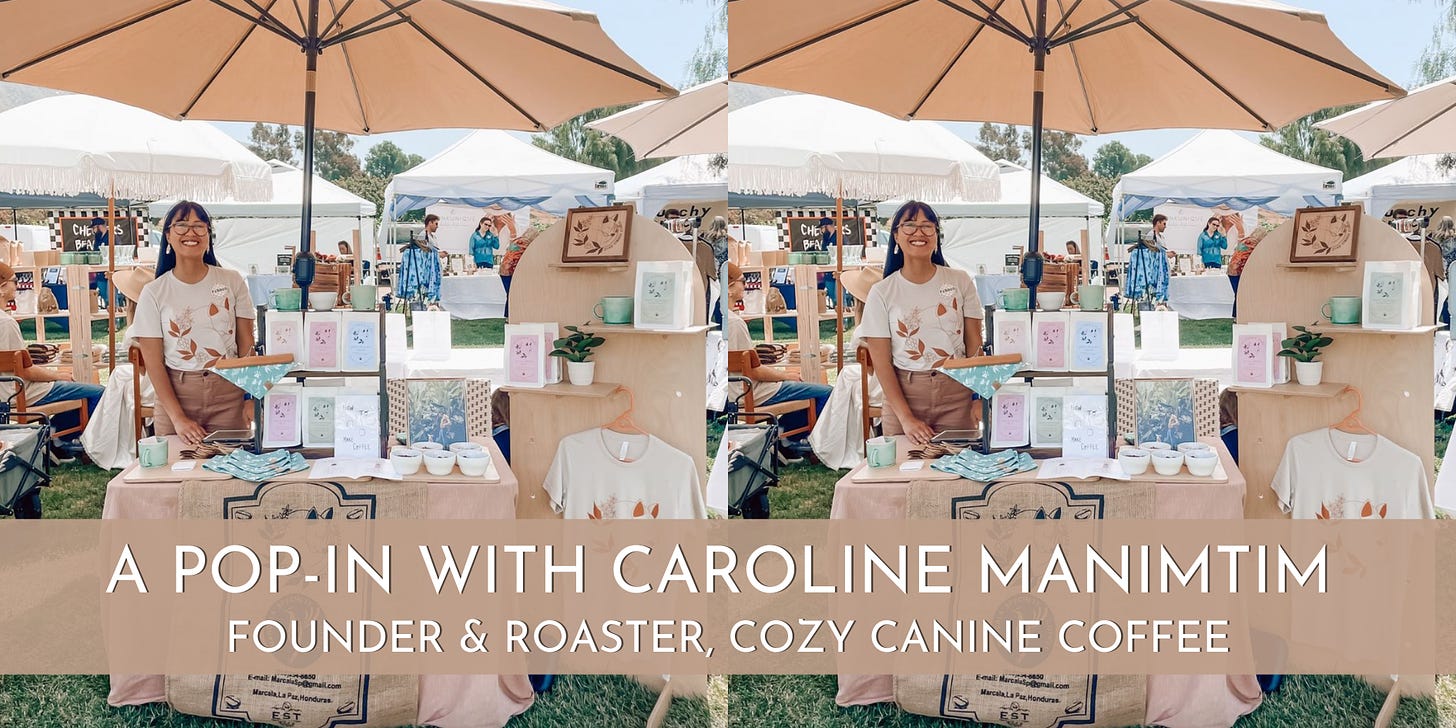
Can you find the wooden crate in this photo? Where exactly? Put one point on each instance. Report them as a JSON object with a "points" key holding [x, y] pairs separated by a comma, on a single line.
{"points": [[331, 278], [1061, 277]]}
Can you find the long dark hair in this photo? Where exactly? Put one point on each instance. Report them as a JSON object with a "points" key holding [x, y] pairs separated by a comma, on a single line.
{"points": [[167, 258], [895, 259]]}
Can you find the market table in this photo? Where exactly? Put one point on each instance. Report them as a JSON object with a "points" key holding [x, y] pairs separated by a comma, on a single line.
{"points": [[262, 285], [446, 701], [478, 296], [1208, 296], [1174, 701], [990, 285]]}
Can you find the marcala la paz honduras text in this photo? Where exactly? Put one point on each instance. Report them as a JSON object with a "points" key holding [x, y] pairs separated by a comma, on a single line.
{"points": [[906, 570]]}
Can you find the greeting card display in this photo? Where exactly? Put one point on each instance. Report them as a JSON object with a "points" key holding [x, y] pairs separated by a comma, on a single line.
{"points": [[1392, 295], [1051, 337], [1254, 351], [1088, 342], [526, 351], [356, 426], [1012, 335], [318, 416], [322, 341], [1010, 416], [1084, 426], [284, 335], [360, 341], [282, 408], [663, 295], [1046, 416]]}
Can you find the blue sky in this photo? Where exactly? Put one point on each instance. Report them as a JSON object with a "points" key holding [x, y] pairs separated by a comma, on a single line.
{"points": [[660, 34]]}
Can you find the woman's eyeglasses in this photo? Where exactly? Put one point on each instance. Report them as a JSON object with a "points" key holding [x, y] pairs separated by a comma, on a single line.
{"points": [[924, 227], [196, 227]]}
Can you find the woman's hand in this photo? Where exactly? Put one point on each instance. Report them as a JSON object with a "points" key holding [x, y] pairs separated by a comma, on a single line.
{"points": [[188, 429], [916, 429]]}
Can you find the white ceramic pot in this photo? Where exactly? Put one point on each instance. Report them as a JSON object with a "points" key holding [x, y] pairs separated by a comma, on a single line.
{"points": [[1156, 446], [422, 446], [1165, 462], [1050, 301], [439, 462], [406, 460], [1309, 373], [323, 301], [1201, 463], [1188, 447], [1134, 460], [460, 447], [581, 373], [473, 462]]}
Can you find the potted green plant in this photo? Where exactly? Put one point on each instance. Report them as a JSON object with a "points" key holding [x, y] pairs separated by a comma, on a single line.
{"points": [[1304, 348], [576, 348]]}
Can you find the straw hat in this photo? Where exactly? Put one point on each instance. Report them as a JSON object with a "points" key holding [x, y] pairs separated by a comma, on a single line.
{"points": [[858, 282], [130, 282]]}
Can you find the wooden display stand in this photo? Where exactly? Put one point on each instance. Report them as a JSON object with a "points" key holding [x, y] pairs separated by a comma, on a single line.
{"points": [[1392, 369], [806, 285], [663, 369], [79, 317]]}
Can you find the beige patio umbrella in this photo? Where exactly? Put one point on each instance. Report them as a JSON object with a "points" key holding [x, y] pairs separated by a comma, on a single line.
{"points": [[695, 122], [1084, 66], [356, 66], [1421, 123]]}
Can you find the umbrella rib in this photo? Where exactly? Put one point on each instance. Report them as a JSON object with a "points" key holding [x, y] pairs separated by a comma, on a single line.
{"points": [[996, 21], [1088, 32], [685, 130], [1066, 19], [1092, 29], [353, 78], [338, 18], [1196, 69], [823, 36], [361, 31], [218, 71], [468, 69], [298, 11], [93, 37], [269, 21], [1288, 46], [953, 61], [1082, 79], [363, 28], [558, 45], [1413, 130]]}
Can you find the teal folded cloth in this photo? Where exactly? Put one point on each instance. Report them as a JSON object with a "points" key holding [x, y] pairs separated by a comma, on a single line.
{"points": [[983, 380], [985, 468], [244, 465], [256, 380]]}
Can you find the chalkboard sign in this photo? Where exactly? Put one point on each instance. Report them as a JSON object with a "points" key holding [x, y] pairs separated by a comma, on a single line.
{"points": [[76, 232], [804, 232]]}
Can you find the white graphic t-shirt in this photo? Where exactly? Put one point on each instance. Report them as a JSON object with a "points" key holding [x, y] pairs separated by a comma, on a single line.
{"points": [[1316, 480], [197, 322], [925, 322], [588, 478]]}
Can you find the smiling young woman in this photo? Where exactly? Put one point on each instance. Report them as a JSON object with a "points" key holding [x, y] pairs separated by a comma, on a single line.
{"points": [[195, 313], [923, 313]]}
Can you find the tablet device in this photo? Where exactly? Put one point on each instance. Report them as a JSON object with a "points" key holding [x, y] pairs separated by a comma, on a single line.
{"points": [[956, 437]]}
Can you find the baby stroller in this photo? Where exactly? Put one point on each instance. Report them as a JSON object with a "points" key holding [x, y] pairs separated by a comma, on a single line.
{"points": [[23, 463], [752, 462]]}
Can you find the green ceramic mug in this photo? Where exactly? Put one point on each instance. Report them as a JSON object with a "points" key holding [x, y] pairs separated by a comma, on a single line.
{"points": [[1091, 297], [614, 310], [363, 297], [1015, 299], [286, 299], [880, 452], [152, 452], [1342, 310]]}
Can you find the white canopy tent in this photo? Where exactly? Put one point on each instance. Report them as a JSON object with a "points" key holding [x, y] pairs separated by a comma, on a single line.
{"points": [[249, 235], [690, 178], [1418, 179], [1219, 167], [492, 167], [981, 233]]}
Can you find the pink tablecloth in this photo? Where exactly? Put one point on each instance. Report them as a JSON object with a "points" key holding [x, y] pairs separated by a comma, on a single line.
{"points": [[447, 701], [1174, 701]]}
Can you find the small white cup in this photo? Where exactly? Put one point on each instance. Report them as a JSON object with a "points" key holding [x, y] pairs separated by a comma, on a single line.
{"points": [[323, 301], [1050, 301], [460, 447], [1167, 462], [1145, 446], [439, 462], [1188, 447], [1134, 460], [473, 463], [1200, 463], [422, 446], [406, 460]]}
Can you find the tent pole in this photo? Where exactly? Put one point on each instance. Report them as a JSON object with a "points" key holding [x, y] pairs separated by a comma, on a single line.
{"points": [[1031, 265], [839, 237], [303, 266], [110, 277]]}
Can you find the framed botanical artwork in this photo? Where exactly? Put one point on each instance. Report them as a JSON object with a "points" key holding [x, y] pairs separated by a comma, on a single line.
{"points": [[1255, 350], [526, 352], [598, 234], [436, 410], [1325, 235], [1165, 410]]}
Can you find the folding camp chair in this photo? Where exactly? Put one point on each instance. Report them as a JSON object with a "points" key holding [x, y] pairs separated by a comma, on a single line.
{"points": [[23, 463], [752, 460]]}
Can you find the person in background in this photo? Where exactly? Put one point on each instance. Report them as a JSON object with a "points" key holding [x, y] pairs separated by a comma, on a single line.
{"points": [[1228, 422], [923, 313], [1240, 258], [1147, 267], [1211, 244], [828, 241], [512, 258], [484, 242], [1445, 237], [99, 239], [110, 437], [193, 315], [419, 267]]}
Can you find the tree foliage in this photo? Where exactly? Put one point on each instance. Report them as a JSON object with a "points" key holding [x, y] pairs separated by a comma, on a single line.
{"points": [[1000, 141], [333, 154], [386, 160], [367, 186], [710, 60], [1096, 186], [573, 140], [1114, 160], [1301, 140], [1061, 154], [272, 142]]}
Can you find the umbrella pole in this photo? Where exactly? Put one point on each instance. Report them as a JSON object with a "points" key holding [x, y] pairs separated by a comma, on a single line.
{"points": [[1031, 265], [303, 265], [839, 280], [111, 277]]}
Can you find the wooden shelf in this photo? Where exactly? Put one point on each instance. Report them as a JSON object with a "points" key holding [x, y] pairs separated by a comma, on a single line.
{"points": [[613, 267], [1323, 390], [625, 329], [595, 390], [1354, 329], [1336, 267]]}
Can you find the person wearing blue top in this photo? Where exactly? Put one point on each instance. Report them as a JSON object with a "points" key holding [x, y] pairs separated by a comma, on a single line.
{"points": [[484, 242], [1211, 244]]}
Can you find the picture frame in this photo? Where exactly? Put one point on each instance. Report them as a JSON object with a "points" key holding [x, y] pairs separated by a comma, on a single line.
{"points": [[1255, 350], [598, 235], [1165, 411], [435, 410], [1391, 295], [526, 351], [1325, 235]]}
